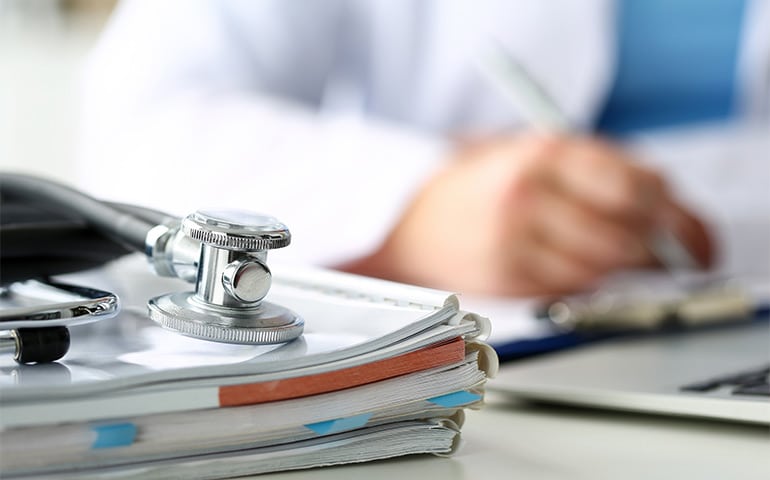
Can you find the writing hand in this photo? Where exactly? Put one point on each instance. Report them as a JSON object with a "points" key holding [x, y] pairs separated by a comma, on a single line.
{"points": [[533, 214]]}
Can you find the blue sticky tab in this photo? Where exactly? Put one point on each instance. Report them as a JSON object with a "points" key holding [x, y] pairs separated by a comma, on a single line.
{"points": [[340, 424], [455, 399], [114, 435]]}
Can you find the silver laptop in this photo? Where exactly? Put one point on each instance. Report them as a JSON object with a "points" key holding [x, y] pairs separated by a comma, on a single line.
{"points": [[720, 373]]}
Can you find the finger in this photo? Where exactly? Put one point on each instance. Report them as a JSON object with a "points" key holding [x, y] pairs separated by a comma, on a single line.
{"points": [[595, 239], [691, 231], [607, 179], [553, 271]]}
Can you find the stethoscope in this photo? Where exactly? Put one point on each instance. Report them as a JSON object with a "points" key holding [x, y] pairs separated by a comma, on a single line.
{"points": [[223, 252]]}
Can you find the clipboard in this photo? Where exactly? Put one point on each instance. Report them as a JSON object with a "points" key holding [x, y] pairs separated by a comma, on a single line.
{"points": [[629, 304]]}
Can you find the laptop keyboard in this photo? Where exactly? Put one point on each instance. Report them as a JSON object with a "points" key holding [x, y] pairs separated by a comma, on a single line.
{"points": [[753, 382]]}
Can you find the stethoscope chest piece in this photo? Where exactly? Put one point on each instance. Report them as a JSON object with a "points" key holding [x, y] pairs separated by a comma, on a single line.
{"points": [[264, 324], [232, 279]]}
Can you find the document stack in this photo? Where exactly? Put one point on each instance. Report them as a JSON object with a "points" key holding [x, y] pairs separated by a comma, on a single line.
{"points": [[382, 370]]}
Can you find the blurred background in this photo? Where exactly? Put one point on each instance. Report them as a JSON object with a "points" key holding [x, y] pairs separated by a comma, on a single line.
{"points": [[43, 46]]}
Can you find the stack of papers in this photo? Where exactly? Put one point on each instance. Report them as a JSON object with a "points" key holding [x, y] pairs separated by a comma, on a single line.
{"points": [[382, 370]]}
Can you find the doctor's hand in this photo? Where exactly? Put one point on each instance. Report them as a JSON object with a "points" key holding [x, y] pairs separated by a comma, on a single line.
{"points": [[530, 215]]}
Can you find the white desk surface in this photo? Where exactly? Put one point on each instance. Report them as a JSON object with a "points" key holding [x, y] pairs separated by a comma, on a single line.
{"points": [[512, 440]]}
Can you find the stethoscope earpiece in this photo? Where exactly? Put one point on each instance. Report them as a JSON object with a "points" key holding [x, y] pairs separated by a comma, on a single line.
{"points": [[40, 345], [39, 333]]}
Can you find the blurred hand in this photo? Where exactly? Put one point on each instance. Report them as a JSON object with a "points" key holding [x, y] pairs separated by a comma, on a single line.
{"points": [[531, 215]]}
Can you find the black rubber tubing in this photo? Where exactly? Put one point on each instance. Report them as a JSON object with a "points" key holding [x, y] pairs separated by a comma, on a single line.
{"points": [[119, 225]]}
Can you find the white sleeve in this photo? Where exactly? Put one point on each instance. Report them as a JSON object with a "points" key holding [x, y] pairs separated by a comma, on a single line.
{"points": [[191, 104]]}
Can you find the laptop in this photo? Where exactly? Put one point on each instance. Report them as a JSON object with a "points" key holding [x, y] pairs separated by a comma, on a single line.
{"points": [[718, 373]]}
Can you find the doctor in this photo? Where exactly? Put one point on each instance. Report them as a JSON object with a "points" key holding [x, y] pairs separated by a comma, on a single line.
{"points": [[366, 127]]}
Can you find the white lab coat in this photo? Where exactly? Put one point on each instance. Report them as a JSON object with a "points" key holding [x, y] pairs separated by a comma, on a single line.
{"points": [[330, 114]]}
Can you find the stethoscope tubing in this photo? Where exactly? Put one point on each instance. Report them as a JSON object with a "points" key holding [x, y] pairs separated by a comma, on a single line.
{"points": [[119, 222]]}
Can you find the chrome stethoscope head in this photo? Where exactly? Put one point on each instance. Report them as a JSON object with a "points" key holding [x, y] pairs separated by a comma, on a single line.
{"points": [[224, 252]]}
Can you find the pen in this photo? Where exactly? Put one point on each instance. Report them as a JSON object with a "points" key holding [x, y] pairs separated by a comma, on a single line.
{"points": [[540, 110]]}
